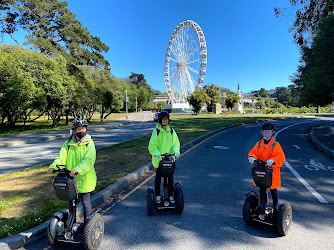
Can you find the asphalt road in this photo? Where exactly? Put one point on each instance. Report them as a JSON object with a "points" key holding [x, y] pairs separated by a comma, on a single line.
{"points": [[28, 155], [215, 181]]}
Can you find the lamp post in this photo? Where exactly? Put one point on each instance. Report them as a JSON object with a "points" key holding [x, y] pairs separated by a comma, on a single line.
{"points": [[126, 103]]}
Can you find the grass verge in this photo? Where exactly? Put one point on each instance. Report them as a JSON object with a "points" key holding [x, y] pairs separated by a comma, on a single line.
{"points": [[27, 197]]}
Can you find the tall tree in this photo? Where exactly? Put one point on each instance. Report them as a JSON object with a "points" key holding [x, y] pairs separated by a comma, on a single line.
{"points": [[53, 29], [307, 17], [314, 76], [231, 101], [282, 95]]}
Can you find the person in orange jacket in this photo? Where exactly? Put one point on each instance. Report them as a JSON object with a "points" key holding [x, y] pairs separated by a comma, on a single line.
{"points": [[267, 149]]}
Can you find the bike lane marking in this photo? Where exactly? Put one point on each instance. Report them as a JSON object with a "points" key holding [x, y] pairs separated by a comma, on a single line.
{"points": [[297, 175]]}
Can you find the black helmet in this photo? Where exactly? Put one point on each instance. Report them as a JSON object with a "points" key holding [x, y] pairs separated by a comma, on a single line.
{"points": [[162, 115], [267, 126], [79, 122]]}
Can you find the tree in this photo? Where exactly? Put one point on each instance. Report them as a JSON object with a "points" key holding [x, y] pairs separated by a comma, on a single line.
{"points": [[30, 81], [138, 80], [197, 99], [308, 16], [53, 29], [226, 90], [214, 93], [231, 101], [282, 95], [314, 76]]}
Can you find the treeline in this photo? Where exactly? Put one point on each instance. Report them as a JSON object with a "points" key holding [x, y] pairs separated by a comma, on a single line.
{"points": [[64, 72]]}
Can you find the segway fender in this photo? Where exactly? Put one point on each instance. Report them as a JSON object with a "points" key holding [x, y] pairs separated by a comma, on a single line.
{"points": [[177, 187], [53, 227], [61, 215]]}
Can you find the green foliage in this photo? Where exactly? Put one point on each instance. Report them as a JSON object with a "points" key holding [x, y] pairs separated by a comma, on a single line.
{"points": [[231, 101], [197, 99], [53, 30], [314, 76], [307, 17], [214, 93], [260, 93]]}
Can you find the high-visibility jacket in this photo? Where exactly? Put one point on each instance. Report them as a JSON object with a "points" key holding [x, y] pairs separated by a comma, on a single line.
{"points": [[162, 142], [271, 151], [80, 157]]}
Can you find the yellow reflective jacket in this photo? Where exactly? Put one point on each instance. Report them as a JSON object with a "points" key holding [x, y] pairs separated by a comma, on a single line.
{"points": [[80, 157], [164, 141]]}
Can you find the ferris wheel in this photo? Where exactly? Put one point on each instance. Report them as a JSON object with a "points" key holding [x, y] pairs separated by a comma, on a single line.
{"points": [[185, 61]]}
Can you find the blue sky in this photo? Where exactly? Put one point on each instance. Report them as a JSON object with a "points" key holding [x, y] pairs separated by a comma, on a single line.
{"points": [[246, 43]]}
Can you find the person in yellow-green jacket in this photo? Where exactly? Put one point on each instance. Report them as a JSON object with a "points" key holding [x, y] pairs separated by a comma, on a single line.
{"points": [[78, 153], [163, 140]]}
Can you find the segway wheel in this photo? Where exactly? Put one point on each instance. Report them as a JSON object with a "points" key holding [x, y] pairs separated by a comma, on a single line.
{"points": [[52, 232], [249, 209], [179, 200], [150, 201], [93, 232], [284, 219]]}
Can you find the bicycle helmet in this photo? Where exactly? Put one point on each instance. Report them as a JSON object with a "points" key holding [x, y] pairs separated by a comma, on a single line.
{"points": [[162, 115], [79, 122], [267, 126]]}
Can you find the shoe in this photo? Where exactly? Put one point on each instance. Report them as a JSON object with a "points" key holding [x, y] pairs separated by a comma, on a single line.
{"points": [[262, 216], [159, 199], [171, 199]]}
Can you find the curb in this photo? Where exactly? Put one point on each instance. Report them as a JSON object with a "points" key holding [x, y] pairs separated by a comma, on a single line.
{"points": [[31, 235], [320, 145]]}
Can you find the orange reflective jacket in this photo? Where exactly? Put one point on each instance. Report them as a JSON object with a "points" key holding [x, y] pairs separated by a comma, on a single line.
{"points": [[271, 151]]}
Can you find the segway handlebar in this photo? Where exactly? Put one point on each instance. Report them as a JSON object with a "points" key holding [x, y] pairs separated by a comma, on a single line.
{"points": [[261, 162], [167, 155], [63, 169]]}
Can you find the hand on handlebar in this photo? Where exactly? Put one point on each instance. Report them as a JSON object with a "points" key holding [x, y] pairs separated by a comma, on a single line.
{"points": [[270, 162], [251, 160], [74, 172], [158, 155], [50, 170]]}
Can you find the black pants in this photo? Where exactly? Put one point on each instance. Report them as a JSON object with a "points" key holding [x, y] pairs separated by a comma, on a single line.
{"points": [[170, 182], [85, 199], [263, 198]]}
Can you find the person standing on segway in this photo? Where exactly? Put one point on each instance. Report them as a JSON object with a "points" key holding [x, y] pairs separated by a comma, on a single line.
{"points": [[163, 140], [270, 151], [78, 153]]}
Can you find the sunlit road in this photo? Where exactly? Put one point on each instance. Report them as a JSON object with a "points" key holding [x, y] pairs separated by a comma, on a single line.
{"points": [[215, 181], [20, 157]]}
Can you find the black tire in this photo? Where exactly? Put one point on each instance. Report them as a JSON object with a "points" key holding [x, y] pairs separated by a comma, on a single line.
{"points": [[284, 219], [249, 209], [93, 232], [150, 201], [179, 200], [52, 232]]}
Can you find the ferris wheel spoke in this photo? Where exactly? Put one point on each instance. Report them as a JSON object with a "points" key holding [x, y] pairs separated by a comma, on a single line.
{"points": [[197, 60], [190, 80], [193, 70]]}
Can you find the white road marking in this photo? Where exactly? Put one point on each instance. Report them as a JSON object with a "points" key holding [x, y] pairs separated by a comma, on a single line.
{"points": [[296, 146], [312, 191], [221, 147], [308, 186]]}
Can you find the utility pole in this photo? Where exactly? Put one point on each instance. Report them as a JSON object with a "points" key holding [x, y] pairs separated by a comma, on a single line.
{"points": [[136, 104], [126, 103]]}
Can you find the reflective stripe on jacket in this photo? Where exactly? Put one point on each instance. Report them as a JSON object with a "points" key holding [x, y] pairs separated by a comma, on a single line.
{"points": [[165, 142], [80, 157], [269, 152]]}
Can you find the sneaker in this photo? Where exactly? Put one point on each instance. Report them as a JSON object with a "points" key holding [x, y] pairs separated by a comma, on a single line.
{"points": [[262, 216], [159, 199], [171, 199]]}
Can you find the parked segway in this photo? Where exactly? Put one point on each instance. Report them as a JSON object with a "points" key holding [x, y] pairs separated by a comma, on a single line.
{"points": [[63, 226], [282, 220], [167, 165]]}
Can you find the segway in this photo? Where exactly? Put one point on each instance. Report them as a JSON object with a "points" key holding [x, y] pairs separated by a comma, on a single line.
{"points": [[63, 226], [282, 219], [167, 165]]}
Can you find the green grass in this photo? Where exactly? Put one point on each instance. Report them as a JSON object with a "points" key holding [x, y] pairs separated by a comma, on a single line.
{"points": [[27, 197]]}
